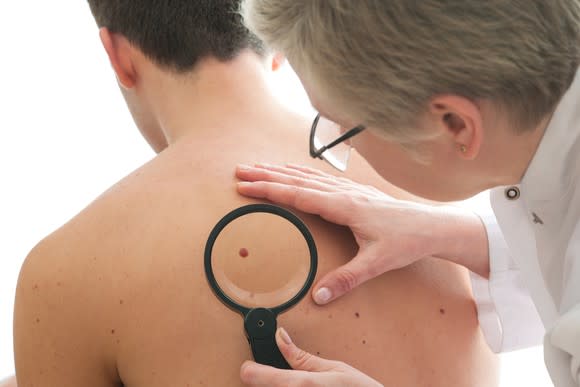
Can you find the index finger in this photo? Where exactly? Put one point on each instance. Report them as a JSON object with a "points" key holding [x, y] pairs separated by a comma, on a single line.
{"points": [[331, 206]]}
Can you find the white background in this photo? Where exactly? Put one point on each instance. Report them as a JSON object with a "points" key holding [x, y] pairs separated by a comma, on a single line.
{"points": [[65, 136]]}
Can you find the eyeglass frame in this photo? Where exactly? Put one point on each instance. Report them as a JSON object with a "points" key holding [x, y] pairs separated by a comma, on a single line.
{"points": [[314, 153]]}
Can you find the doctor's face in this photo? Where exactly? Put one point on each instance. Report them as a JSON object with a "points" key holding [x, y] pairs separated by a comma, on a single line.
{"points": [[431, 171]]}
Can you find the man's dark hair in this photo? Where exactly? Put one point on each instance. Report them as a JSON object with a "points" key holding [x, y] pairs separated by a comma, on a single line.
{"points": [[178, 33]]}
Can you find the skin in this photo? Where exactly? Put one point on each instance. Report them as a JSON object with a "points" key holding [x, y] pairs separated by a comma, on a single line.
{"points": [[10, 382], [118, 294], [473, 149]]}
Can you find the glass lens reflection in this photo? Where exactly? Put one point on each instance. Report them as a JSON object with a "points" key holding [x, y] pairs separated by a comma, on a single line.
{"points": [[326, 132]]}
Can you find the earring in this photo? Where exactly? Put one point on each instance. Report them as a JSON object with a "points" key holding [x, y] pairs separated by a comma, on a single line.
{"points": [[463, 148]]}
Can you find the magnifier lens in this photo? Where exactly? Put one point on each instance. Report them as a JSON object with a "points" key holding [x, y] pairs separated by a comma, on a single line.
{"points": [[260, 260]]}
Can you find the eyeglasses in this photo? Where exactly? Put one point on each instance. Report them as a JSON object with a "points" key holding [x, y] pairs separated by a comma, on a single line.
{"points": [[328, 141]]}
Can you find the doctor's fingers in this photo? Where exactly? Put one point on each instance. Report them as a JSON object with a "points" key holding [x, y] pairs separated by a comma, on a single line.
{"points": [[334, 207], [280, 174], [256, 174], [339, 181], [317, 172], [304, 177]]}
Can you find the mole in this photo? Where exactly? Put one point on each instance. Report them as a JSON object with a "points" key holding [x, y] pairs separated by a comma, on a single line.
{"points": [[244, 252], [364, 341], [442, 311], [112, 331], [357, 314]]}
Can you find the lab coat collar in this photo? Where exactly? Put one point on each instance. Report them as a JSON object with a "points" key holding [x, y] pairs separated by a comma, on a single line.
{"points": [[557, 160]]}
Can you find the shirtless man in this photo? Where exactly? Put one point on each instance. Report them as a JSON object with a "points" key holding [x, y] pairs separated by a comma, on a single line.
{"points": [[118, 296]]}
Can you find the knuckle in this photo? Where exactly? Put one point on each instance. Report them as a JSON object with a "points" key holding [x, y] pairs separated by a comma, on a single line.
{"points": [[302, 358], [348, 201], [247, 374], [308, 383], [297, 195], [346, 280], [297, 181]]}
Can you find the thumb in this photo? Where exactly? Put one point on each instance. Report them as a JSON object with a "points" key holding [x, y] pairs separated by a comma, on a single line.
{"points": [[342, 280], [299, 359]]}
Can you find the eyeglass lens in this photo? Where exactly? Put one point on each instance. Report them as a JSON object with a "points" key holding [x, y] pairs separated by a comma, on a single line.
{"points": [[326, 132]]}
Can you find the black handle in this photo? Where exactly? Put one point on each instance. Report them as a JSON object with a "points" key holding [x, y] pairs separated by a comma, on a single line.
{"points": [[260, 325]]}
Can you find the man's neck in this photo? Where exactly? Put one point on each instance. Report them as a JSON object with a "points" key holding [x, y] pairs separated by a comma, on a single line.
{"points": [[214, 96]]}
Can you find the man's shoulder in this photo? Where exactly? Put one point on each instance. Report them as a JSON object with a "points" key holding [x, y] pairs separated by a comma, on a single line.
{"points": [[78, 284]]}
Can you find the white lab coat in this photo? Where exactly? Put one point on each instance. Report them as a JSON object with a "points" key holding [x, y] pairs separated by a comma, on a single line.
{"points": [[534, 241]]}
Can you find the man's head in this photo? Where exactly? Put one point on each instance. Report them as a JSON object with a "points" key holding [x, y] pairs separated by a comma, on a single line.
{"points": [[176, 34], [416, 70], [152, 42]]}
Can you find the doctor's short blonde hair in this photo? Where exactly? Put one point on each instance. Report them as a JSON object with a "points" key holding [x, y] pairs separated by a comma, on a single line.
{"points": [[382, 61]]}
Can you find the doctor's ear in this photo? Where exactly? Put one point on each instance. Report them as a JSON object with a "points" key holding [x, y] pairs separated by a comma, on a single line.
{"points": [[119, 51], [278, 61], [461, 120]]}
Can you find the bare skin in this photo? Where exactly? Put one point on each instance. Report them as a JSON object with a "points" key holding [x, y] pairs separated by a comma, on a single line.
{"points": [[118, 295], [10, 382]]}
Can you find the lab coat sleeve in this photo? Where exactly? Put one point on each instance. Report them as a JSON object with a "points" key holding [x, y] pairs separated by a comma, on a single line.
{"points": [[507, 315], [562, 350]]}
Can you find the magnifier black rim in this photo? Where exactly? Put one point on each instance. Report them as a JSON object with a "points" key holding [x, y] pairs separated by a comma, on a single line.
{"points": [[257, 208]]}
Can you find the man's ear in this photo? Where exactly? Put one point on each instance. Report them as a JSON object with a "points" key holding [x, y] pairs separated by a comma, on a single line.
{"points": [[118, 50], [278, 61], [462, 120]]}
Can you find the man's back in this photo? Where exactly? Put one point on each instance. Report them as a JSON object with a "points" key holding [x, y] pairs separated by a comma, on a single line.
{"points": [[119, 294]]}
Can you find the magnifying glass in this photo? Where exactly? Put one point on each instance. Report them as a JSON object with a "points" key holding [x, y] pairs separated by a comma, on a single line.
{"points": [[260, 260]]}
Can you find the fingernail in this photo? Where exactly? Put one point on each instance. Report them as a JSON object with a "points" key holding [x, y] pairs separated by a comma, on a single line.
{"points": [[322, 296], [285, 337], [243, 167]]}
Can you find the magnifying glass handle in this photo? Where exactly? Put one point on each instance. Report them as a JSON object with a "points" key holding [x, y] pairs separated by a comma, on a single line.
{"points": [[260, 325]]}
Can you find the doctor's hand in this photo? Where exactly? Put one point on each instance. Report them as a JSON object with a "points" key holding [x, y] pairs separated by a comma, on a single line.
{"points": [[390, 233], [308, 370]]}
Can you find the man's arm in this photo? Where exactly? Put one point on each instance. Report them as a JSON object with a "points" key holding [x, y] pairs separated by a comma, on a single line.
{"points": [[54, 337]]}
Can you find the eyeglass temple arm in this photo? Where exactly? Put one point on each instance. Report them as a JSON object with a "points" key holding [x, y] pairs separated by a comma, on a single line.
{"points": [[344, 137]]}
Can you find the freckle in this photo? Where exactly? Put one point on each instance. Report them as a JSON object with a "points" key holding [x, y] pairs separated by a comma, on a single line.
{"points": [[357, 314], [112, 331], [121, 302], [37, 320], [317, 353], [442, 311], [330, 316], [364, 341], [244, 252], [35, 287], [118, 341], [94, 258], [58, 283]]}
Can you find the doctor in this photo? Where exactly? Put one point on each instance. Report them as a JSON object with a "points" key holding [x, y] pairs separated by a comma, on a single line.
{"points": [[444, 99]]}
